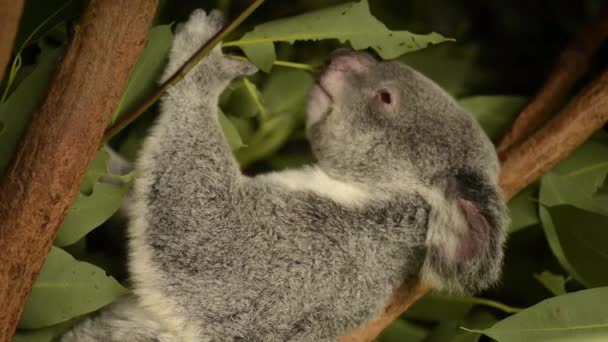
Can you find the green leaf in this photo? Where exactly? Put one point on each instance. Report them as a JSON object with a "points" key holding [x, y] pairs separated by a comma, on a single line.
{"points": [[66, 288], [15, 113], [553, 282], [230, 132], [239, 101], [454, 67], [286, 90], [578, 316], [438, 306], [402, 330], [267, 139], [494, 113], [450, 331], [47, 334], [96, 201], [577, 179], [147, 70], [351, 22], [524, 209], [579, 241]]}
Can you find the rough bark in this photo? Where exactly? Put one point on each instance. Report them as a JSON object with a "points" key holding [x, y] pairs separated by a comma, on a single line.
{"points": [[62, 138], [10, 13], [583, 116], [570, 67]]}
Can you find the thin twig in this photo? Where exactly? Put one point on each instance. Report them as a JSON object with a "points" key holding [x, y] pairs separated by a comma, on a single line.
{"points": [[180, 73], [570, 67]]}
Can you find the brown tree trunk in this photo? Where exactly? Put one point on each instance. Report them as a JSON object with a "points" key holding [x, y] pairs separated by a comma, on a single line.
{"points": [[10, 13], [62, 138]]}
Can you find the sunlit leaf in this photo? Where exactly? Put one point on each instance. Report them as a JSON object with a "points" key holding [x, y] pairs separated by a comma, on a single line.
{"points": [[350, 22], [579, 316]]}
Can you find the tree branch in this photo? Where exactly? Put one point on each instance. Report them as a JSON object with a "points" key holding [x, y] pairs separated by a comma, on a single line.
{"points": [[10, 13], [64, 134], [570, 67], [583, 116]]}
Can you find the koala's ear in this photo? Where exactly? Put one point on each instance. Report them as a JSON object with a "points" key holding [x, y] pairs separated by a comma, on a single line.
{"points": [[465, 235]]}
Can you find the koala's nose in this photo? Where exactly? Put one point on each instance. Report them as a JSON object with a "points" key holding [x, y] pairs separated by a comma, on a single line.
{"points": [[348, 60]]}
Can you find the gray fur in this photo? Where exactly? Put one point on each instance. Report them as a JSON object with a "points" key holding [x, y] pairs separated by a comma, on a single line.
{"points": [[218, 256]]}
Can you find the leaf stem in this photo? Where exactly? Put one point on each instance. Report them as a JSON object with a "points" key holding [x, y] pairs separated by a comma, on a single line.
{"points": [[497, 305], [180, 73], [287, 64], [251, 90]]}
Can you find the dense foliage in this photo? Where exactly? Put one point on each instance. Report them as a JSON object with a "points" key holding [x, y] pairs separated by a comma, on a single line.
{"points": [[491, 55]]}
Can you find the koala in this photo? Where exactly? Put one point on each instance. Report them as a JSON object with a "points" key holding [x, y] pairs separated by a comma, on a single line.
{"points": [[404, 190]]}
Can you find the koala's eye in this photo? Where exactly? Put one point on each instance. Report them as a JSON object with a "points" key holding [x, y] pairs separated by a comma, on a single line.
{"points": [[385, 96]]}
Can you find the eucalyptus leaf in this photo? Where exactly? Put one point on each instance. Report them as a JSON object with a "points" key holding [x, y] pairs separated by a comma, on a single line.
{"points": [[230, 132], [524, 209], [494, 113], [579, 241], [67, 288], [267, 139], [454, 67], [240, 102], [444, 307], [286, 90], [99, 198], [351, 22], [578, 316], [47, 334], [576, 180], [15, 113], [402, 330], [147, 71], [553, 282], [451, 331]]}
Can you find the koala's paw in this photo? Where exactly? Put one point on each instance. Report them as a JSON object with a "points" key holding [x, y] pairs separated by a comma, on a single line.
{"points": [[192, 35]]}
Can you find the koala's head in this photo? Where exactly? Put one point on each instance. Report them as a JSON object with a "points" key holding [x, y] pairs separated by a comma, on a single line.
{"points": [[384, 123]]}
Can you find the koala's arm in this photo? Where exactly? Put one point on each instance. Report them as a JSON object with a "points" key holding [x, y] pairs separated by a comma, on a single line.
{"points": [[188, 131]]}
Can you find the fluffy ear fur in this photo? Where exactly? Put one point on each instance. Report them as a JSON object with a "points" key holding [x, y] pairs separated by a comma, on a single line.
{"points": [[466, 236]]}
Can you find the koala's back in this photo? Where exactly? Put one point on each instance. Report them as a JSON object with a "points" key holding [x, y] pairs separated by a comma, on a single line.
{"points": [[265, 264]]}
